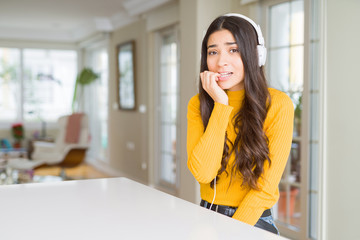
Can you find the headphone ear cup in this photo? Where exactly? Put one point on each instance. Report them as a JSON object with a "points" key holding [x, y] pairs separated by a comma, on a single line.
{"points": [[261, 54]]}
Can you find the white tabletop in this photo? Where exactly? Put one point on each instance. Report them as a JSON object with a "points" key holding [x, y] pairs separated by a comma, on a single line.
{"points": [[112, 208]]}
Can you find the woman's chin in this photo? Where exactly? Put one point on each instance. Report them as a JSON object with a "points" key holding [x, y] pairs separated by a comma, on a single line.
{"points": [[224, 86], [231, 87]]}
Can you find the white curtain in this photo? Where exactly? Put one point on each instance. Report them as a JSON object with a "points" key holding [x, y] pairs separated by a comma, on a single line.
{"points": [[95, 103]]}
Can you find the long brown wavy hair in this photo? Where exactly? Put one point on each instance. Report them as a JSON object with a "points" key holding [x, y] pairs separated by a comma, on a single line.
{"points": [[251, 144]]}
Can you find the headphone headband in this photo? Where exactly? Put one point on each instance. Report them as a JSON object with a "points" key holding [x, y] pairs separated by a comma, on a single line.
{"points": [[261, 46]]}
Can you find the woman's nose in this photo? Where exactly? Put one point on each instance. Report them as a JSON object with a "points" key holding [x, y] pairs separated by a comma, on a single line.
{"points": [[223, 59]]}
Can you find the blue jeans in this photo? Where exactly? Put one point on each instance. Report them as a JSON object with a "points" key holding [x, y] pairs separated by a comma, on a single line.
{"points": [[267, 223]]}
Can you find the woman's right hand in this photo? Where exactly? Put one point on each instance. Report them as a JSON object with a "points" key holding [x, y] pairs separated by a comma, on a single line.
{"points": [[210, 85]]}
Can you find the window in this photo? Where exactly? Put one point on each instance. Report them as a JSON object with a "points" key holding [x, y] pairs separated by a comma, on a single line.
{"points": [[9, 84], [37, 84], [286, 52], [293, 50], [96, 103], [286, 68], [167, 102], [49, 79]]}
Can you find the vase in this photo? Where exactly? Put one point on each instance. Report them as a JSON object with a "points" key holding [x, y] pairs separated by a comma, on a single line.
{"points": [[282, 202], [17, 144]]}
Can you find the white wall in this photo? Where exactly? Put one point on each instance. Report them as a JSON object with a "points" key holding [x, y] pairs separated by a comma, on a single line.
{"points": [[342, 116], [188, 71], [128, 128]]}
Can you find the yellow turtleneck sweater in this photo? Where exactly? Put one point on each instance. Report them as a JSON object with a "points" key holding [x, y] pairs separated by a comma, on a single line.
{"points": [[205, 151]]}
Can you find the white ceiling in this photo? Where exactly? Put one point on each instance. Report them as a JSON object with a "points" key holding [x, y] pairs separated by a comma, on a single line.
{"points": [[67, 20]]}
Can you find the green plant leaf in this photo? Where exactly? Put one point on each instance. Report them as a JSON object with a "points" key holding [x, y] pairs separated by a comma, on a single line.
{"points": [[85, 77]]}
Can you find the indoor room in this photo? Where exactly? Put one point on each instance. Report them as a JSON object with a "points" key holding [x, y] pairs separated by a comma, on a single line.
{"points": [[99, 90]]}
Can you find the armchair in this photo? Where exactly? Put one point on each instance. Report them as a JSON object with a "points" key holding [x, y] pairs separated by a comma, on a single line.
{"points": [[70, 146]]}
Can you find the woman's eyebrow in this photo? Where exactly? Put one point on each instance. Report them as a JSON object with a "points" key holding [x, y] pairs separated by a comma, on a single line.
{"points": [[231, 43], [227, 43]]}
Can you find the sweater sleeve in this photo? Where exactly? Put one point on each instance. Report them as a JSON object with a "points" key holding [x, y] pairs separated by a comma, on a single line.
{"points": [[205, 149], [279, 130]]}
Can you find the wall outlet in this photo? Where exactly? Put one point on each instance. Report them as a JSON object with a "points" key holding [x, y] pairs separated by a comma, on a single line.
{"points": [[130, 146], [142, 108]]}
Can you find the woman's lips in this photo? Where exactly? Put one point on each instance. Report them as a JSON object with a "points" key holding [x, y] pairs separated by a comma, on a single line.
{"points": [[224, 76]]}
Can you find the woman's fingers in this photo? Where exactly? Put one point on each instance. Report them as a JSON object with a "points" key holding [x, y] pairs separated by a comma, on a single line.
{"points": [[210, 85], [209, 80]]}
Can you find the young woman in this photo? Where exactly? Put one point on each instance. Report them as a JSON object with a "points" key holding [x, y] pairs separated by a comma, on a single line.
{"points": [[239, 130]]}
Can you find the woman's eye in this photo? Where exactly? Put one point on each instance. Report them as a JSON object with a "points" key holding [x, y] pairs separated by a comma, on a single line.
{"points": [[234, 50], [211, 52]]}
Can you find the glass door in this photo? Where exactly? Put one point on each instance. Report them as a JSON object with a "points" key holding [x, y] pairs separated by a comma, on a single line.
{"points": [[286, 73], [294, 46], [96, 103], [167, 105]]}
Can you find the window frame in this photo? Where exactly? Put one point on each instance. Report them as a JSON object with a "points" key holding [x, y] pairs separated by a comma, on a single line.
{"points": [[313, 20], [88, 52], [288, 230], [158, 182], [50, 125]]}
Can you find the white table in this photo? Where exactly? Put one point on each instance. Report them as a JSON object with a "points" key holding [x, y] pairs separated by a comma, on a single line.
{"points": [[113, 208]]}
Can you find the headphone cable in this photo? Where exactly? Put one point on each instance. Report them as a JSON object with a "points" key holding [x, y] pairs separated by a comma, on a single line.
{"points": [[214, 193]]}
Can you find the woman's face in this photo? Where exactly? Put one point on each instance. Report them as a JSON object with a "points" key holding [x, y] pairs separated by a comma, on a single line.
{"points": [[223, 57]]}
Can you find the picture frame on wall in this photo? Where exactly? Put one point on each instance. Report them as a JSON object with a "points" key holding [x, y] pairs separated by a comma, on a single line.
{"points": [[126, 75]]}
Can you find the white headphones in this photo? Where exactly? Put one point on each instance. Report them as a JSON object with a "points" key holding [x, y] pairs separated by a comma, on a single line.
{"points": [[261, 49]]}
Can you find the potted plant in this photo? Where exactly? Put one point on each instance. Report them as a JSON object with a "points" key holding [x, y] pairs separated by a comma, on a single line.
{"points": [[282, 203], [85, 77], [17, 131], [297, 115]]}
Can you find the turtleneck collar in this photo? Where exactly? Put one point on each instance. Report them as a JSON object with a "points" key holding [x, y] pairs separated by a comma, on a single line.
{"points": [[236, 96]]}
